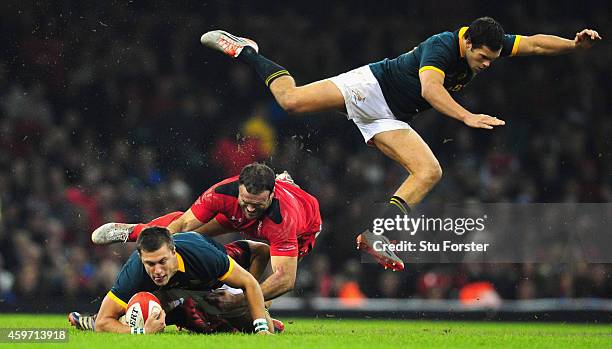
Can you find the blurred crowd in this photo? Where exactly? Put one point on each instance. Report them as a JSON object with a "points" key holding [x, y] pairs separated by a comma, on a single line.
{"points": [[114, 112]]}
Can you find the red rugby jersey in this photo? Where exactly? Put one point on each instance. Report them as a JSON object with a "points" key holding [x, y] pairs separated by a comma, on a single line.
{"points": [[290, 224]]}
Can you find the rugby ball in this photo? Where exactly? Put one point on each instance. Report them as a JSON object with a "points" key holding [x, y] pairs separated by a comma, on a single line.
{"points": [[140, 306]]}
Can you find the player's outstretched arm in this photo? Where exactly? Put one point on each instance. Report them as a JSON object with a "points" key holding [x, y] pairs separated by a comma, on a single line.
{"points": [[550, 45], [260, 258], [214, 228], [282, 280], [432, 89], [240, 278], [110, 312], [186, 222]]}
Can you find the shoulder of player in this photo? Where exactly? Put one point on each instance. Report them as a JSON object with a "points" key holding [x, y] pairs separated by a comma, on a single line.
{"points": [[194, 245], [275, 213], [192, 241], [186, 238], [133, 262], [227, 187], [289, 200], [445, 38], [445, 44], [132, 272]]}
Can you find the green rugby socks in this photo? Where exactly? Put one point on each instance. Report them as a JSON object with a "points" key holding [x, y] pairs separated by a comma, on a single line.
{"points": [[400, 204], [267, 70], [396, 206]]}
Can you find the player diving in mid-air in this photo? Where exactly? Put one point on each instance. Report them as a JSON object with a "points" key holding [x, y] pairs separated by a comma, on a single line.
{"points": [[181, 269], [382, 98]]}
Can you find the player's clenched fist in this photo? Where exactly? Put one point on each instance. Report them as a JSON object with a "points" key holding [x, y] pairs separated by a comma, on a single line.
{"points": [[156, 322]]}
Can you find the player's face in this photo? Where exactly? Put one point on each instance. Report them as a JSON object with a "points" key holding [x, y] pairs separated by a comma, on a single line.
{"points": [[480, 58], [161, 265], [254, 205]]}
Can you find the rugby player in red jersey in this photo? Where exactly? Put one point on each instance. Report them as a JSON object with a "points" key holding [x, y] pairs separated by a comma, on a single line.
{"points": [[256, 204]]}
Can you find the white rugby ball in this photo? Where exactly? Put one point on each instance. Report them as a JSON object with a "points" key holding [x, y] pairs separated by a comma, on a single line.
{"points": [[140, 306]]}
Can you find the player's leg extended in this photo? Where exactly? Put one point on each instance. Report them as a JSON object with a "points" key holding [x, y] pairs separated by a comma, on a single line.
{"points": [[315, 97], [408, 149], [82, 322], [122, 232], [318, 96]]}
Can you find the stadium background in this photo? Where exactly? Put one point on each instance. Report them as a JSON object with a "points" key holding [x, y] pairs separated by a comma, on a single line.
{"points": [[113, 111]]}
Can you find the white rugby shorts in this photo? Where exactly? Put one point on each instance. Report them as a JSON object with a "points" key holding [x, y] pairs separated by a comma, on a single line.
{"points": [[365, 103]]}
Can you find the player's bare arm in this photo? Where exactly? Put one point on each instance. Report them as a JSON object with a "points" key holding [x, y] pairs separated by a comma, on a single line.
{"points": [[260, 258], [281, 281], [550, 45], [110, 312], [213, 228], [240, 278], [432, 89], [186, 222]]}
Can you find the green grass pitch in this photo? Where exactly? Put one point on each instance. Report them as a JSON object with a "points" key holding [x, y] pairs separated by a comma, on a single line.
{"points": [[341, 333]]}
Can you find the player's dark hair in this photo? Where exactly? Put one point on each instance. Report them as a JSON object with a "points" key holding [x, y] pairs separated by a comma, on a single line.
{"points": [[485, 31], [154, 238], [257, 178]]}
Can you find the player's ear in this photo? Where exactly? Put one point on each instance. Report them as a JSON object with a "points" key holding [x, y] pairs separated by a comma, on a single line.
{"points": [[468, 44]]}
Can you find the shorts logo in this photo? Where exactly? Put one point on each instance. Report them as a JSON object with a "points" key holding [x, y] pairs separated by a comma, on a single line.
{"points": [[358, 96]]}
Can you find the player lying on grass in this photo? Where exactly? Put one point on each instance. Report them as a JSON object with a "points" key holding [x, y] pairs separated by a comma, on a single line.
{"points": [[383, 97], [187, 266], [257, 204]]}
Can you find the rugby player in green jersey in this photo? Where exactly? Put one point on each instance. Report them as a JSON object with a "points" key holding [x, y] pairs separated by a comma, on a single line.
{"points": [[181, 270], [381, 98]]}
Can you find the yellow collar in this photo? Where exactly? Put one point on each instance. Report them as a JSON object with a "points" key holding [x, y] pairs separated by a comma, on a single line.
{"points": [[461, 42], [181, 264]]}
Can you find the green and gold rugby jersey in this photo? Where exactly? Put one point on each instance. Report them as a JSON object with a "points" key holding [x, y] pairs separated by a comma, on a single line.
{"points": [[399, 77], [202, 264]]}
